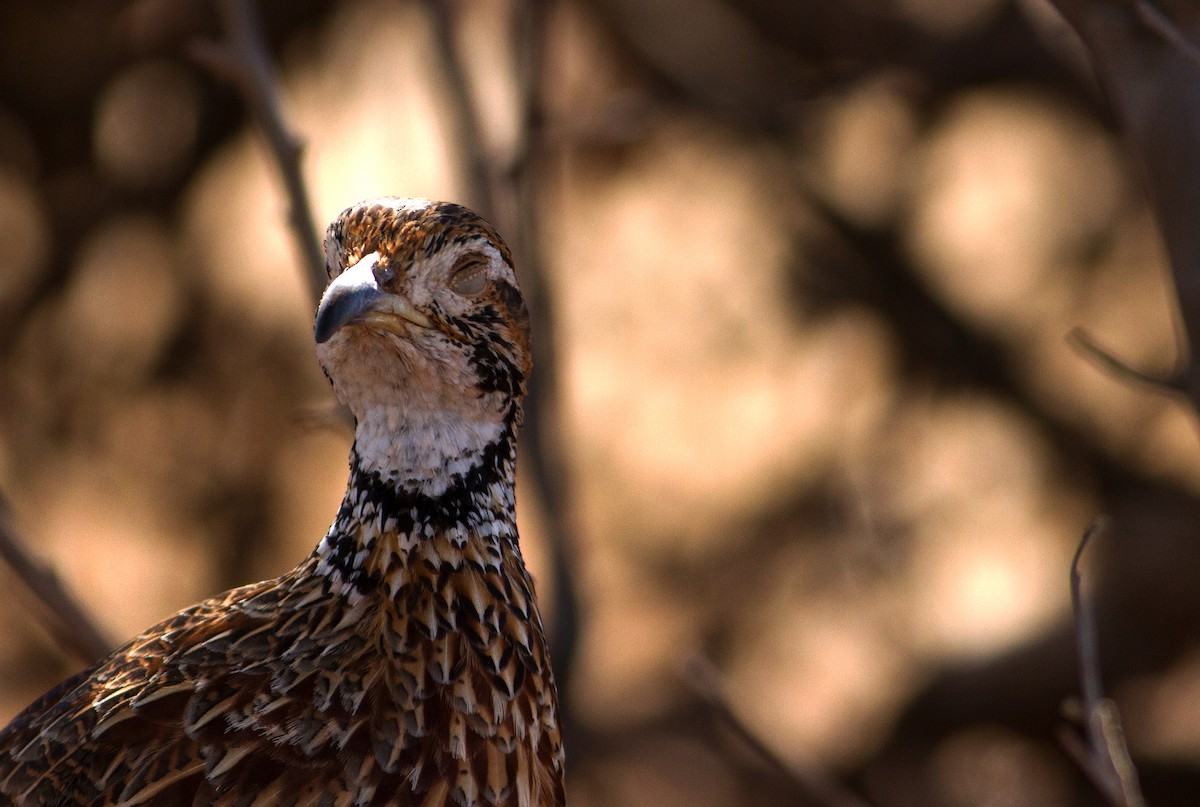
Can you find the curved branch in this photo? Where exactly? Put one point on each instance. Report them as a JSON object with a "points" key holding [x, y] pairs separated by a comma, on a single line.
{"points": [[242, 60], [704, 680], [1086, 346], [62, 615], [1149, 68]]}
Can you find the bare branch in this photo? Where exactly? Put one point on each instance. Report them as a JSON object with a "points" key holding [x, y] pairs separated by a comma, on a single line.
{"points": [[543, 444], [471, 147], [1080, 753], [1162, 25], [1146, 64], [242, 60], [703, 679], [510, 197], [1086, 346], [1105, 756], [61, 613]]}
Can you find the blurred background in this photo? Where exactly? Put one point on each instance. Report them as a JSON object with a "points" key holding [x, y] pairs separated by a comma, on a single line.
{"points": [[808, 270]]}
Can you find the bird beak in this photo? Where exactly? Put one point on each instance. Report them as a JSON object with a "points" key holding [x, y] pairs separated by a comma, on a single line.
{"points": [[355, 296]]}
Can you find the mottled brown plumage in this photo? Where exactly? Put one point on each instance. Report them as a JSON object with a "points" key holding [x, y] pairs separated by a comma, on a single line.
{"points": [[403, 662]]}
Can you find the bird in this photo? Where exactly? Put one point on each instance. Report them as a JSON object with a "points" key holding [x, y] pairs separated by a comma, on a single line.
{"points": [[404, 661]]}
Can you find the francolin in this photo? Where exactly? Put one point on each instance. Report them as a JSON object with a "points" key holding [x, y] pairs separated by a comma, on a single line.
{"points": [[403, 662]]}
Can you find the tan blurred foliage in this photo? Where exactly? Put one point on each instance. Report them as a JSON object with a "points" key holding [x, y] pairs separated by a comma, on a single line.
{"points": [[812, 267]]}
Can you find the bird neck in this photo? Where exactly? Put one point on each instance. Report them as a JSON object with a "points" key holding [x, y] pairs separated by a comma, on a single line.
{"points": [[428, 459], [436, 582], [432, 510]]}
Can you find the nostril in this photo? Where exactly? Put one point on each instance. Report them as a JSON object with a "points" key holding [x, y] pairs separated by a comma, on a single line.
{"points": [[383, 273]]}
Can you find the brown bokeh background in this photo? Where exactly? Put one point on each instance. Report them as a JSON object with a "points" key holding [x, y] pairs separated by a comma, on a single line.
{"points": [[812, 267]]}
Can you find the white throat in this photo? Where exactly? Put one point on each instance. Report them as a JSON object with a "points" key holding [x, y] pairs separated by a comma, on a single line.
{"points": [[422, 451], [422, 422]]}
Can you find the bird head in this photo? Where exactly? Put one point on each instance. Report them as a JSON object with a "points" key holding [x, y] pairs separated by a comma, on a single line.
{"points": [[424, 334]]}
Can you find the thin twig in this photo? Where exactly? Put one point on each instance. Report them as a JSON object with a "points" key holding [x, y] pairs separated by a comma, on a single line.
{"points": [[472, 153], [1105, 757], [242, 60], [1086, 643], [703, 679], [1086, 346], [61, 613], [1162, 26]]}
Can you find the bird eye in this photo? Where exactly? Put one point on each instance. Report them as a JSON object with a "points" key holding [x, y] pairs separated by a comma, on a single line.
{"points": [[469, 277]]}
